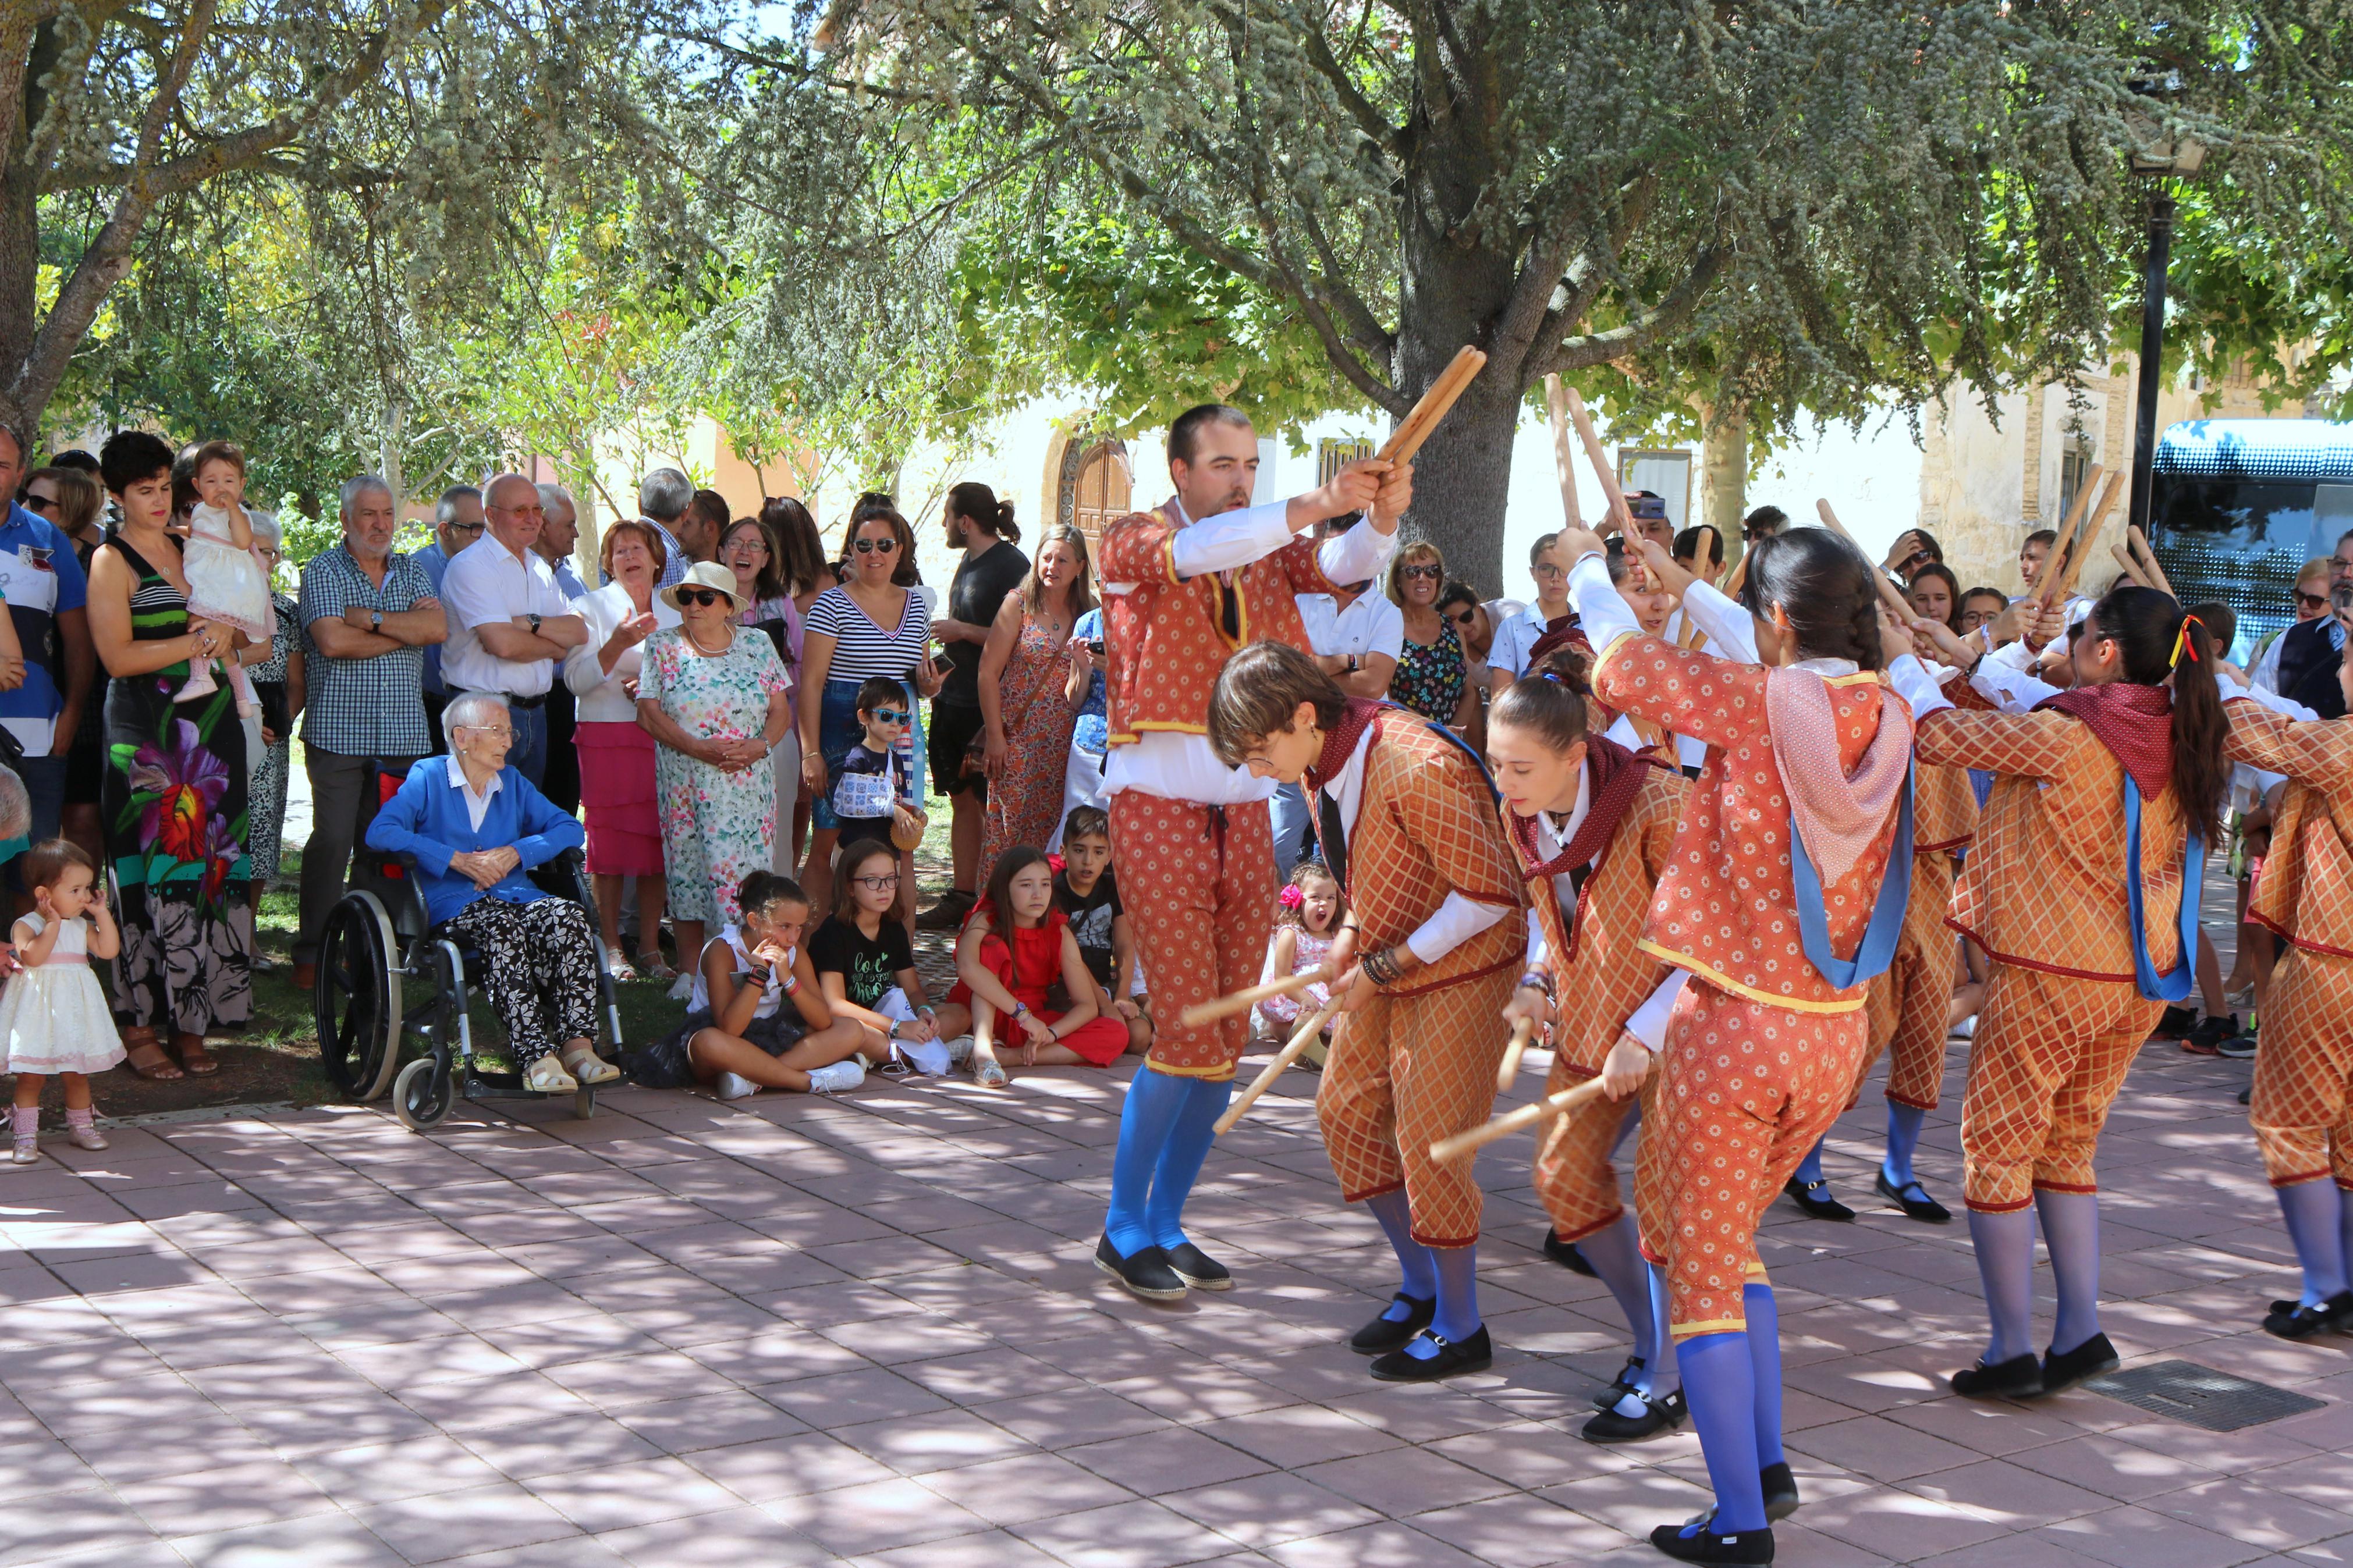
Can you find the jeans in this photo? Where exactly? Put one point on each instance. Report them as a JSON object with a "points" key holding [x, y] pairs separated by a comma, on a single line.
{"points": [[1291, 816], [528, 755], [343, 803], [45, 787]]}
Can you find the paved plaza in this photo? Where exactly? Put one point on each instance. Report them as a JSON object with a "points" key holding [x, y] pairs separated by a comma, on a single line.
{"points": [[794, 1331]]}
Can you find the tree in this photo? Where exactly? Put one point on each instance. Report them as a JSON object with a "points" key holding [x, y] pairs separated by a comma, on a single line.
{"points": [[1814, 205]]}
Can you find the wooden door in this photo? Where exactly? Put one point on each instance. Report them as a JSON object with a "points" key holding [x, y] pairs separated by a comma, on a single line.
{"points": [[1097, 488]]}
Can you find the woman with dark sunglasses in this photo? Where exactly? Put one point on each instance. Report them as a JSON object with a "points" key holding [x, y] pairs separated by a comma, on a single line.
{"points": [[1430, 677]]}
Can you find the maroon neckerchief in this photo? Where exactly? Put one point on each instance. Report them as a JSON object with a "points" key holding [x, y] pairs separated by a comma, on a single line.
{"points": [[1616, 776], [2134, 721], [1561, 631], [1340, 741]]}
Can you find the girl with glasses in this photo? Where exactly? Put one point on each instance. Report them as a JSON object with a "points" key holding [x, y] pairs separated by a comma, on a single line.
{"points": [[866, 966]]}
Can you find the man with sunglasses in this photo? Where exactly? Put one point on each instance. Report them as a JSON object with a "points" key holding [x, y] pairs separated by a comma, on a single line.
{"points": [[1185, 587], [509, 625], [457, 524]]}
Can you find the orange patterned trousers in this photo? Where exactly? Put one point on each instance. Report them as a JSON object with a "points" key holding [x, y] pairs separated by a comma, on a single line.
{"points": [[1575, 1178], [2299, 1106], [1403, 1072], [1745, 1090], [2050, 1052], [1198, 885], [1909, 1006]]}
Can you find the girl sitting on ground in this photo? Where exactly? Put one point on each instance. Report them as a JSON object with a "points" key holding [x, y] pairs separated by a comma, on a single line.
{"points": [[1016, 949], [866, 964]]}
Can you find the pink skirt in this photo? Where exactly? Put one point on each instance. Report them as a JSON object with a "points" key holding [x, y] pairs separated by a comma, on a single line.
{"points": [[616, 800]]}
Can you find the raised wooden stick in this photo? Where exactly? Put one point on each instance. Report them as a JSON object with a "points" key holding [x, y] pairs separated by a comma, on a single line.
{"points": [[1621, 516], [2131, 567], [2090, 536], [1290, 1053], [1739, 578], [1512, 1050], [1895, 601], [1446, 1150], [1408, 437], [1563, 461], [2054, 564], [2147, 558], [1201, 1013]]}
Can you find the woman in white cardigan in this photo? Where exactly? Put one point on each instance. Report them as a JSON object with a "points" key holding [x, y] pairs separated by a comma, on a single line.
{"points": [[617, 757]]}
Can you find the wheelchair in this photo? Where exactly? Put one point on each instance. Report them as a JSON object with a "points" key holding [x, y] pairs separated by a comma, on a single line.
{"points": [[377, 940]]}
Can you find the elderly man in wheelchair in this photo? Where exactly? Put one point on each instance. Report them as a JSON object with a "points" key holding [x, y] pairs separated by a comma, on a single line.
{"points": [[475, 828]]}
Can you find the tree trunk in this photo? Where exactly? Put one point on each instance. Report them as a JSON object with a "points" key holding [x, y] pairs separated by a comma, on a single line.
{"points": [[20, 235], [1724, 472], [1462, 482]]}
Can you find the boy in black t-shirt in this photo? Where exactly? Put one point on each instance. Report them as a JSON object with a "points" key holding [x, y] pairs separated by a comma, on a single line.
{"points": [[1087, 892], [872, 778]]}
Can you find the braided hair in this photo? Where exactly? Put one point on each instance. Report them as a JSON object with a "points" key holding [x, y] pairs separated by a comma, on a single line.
{"points": [[1823, 584], [1551, 700]]}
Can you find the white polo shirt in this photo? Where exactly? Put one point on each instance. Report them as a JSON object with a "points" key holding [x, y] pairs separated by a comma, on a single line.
{"points": [[487, 583], [1369, 624]]}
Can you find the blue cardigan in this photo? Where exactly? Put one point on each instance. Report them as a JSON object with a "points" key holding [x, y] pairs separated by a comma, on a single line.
{"points": [[426, 818]]}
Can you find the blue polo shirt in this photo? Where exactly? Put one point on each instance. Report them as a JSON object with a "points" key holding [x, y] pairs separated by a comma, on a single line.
{"points": [[39, 576], [435, 562]]}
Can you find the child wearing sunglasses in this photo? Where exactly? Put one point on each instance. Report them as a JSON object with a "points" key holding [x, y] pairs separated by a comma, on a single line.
{"points": [[873, 777]]}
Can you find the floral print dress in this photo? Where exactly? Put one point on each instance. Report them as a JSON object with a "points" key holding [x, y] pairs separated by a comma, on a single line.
{"points": [[717, 826], [1025, 802], [269, 787], [173, 804], [1429, 678]]}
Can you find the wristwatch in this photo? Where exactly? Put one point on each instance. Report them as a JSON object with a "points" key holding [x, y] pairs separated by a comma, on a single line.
{"points": [[1352, 664], [375, 620], [534, 626]]}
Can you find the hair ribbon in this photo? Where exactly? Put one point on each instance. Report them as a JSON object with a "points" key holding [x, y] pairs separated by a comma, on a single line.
{"points": [[1290, 897], [2181, 643]]}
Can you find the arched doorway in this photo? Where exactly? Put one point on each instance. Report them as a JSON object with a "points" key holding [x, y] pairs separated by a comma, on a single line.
{"points": [[1094, 486]]}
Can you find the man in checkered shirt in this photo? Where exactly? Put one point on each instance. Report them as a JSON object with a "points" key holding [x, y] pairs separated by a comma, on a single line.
{"points": [[367, 616]]}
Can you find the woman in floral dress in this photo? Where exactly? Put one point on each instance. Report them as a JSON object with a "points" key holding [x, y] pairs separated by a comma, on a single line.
{"points": [[1026, 711], [1429, 678], [713, 696], [172, 801]]}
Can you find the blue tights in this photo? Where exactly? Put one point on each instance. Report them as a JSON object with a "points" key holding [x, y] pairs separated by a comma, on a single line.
{"points": [[1164, 1133], [1732, 1382]]}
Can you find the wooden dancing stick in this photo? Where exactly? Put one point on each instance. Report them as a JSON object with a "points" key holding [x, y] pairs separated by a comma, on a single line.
{"points": [[1739, 578], [1201, 1013], [1563, 461], [1512, 1050], [2131, 567], [1446, 1150], [1408, 437], [2148, 558], [1621, 517], [1896, 604], [2054, 564], [1275, 1069], [2090, 536]]}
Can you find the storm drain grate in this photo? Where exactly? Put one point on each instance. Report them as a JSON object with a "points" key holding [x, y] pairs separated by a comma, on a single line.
{"points": [[2200, 1396]]}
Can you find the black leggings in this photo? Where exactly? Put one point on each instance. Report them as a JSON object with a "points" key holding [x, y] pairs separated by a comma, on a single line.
{"points": [[541, 962]]}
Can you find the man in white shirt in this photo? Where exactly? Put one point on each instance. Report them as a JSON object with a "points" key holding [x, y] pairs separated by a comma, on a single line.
{"points": [[1507, 658], [1357, 636], [509, 625]]}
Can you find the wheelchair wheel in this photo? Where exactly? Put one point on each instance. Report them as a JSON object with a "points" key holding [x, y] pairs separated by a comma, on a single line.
{"points": [[358, 998], [421, 1096]]}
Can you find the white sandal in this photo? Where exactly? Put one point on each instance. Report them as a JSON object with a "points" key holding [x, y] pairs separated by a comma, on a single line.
{"points": [[584, 1065], [547, 1076], [989, 1074]]}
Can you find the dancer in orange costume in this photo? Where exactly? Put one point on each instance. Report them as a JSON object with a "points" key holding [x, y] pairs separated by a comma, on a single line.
{"points": [[2305, 894], [1593, 824], [1785, 893], [1407, 821], [1183, 588], [2081, 888]]}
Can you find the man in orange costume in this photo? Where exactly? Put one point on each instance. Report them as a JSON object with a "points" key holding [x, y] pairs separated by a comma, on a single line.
{"points": [[1184, 588]]}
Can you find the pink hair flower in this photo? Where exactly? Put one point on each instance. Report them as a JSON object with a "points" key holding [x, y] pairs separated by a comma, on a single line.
{"points": [[1292, 897]]}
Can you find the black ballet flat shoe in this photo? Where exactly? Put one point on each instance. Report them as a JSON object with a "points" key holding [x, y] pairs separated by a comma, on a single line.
{"points": [[1780, 1491], [1383, 1335], [1741, 1546], [2294, 1321], [2093, 1357], [1659, 1415], [1144, 1271], [1566, 1254], [1623, 1388], [1923, 1208], [1198, 1268], [1821, 1206], [1476, 1353], [2019, 1377]]}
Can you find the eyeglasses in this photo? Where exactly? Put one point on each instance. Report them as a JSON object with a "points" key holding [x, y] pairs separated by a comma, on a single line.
{"points": [[1426, 570], [876, 884], [1545, 569], [877, 546], [489, 729], [700, 595], [465, 529], [890, 715], [38, 504]]}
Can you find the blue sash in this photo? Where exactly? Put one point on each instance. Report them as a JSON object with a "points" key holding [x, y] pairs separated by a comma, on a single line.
{"points": [[1880, 936], [2173, 987]]}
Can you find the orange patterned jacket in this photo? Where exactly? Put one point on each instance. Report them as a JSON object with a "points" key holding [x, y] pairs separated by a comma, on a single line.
{"points": [[1168, 639], [1944, 809], [2305, 892], [1726, 909]]}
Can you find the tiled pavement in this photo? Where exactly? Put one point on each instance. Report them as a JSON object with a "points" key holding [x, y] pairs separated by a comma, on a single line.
{"points": [[800, 1332]]}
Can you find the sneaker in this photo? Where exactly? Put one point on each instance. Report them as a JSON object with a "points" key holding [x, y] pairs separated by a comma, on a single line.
{"points": [[948, 914], [735, 1086], [2174, 1024], [2238, 1047], [838, 1079], [959, 1050], [2210, 1032]]}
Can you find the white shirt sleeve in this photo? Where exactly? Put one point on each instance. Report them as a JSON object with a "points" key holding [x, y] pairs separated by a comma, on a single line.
{"points": [[547, 595], [1913, 682], [1649, 1024], [582, 668], [1605, 615], [1730, 628], [1233, 539], [2285, 706], [466, 597], [1357, 556], [2010, 689], [1385, 631], [1457, 920]]}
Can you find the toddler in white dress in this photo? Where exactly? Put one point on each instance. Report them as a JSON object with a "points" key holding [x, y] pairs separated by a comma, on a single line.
{"points": [[228, 582], [53, 1016]]}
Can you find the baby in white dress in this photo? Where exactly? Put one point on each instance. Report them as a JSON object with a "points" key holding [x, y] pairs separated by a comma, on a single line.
{"points": [[53, 1016], [227, 580]]}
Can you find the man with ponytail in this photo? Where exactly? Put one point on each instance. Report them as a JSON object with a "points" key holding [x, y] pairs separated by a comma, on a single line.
{"points": [[1184, 588], [2304, 895], [1593, 823], [2081, 888], [1782, 898], [1407, 821], [981, 526]]}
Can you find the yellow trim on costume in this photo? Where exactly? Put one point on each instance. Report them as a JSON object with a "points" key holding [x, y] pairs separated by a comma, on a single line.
{"points": [[1711, 1326], [1620, 640], [1176, 724], [1860, 677], [1169, 556], [1216, 1074], [1757, 1270], [1722, 982]]}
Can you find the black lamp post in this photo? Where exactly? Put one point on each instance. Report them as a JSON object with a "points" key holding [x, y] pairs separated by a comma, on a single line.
{"points": [[2160, 157]]}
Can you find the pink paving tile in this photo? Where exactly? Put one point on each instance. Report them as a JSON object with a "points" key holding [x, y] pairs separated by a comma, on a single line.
{"points": [[1299, 1435], [1633, 1502], [1882, 1449], [981, 1376], [844, 1399], [2012, 1493], [935, 1440], [1126, 1535], [2136, 1538], [315, 1540], [585, 1439], [1175, 1459], [435, 1529], [621, 1497], [731, 1540], [1899, 1525], [1060, 1421], [76, 1522], [1401, 1481], [993, 1549], [1267, 1510], [387, 1472], [880, 1516], [2254, 1515], [568, 1553], [2125, 1471], [1025, 1488], [787, 1466], [229, 1498], [710, 1421], [2010, 1552], [1383, 1546], [1520, 1530]]}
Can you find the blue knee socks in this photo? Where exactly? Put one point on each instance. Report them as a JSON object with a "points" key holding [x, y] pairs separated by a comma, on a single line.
{"points": [[1764, 1316], [2316, 1222], [1660, 1376], [1903, 1123], [2005, 1249], [1720, 1384], [1154, 1099], [1458, 1298], [1809, 1169], [2071, 1233], [1617, 1259], [1181, 1157], [1415, 1262]]}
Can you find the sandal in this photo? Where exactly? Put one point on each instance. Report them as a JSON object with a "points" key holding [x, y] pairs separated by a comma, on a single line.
{"points": [[618, 970], [146, 1057], [989, 1075], [192, 1055], [651, 967]]}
